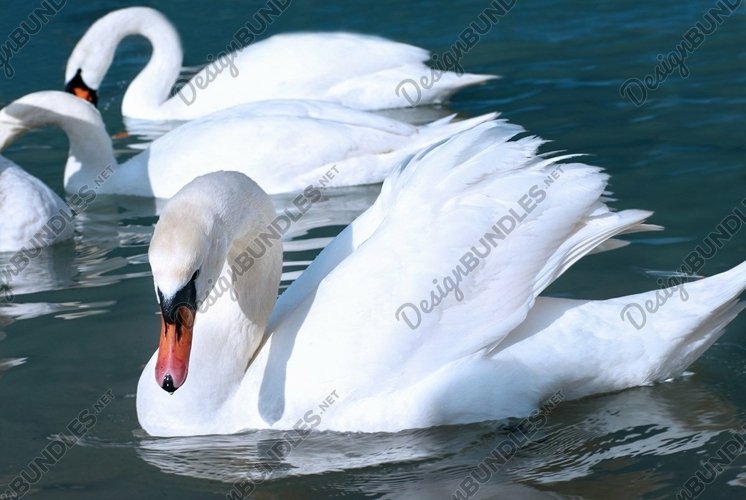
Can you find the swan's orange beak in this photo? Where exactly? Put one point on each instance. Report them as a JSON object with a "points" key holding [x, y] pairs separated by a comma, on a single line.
{"points": [[175, 346], [85, 94]]}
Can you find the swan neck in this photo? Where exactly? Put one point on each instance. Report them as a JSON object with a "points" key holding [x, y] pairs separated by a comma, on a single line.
{"points": [[232, 320], [151, 88], [90, 160], [90, 153]]}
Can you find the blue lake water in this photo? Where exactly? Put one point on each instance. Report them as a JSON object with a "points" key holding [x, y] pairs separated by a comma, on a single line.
{"points": [[84, 318]]}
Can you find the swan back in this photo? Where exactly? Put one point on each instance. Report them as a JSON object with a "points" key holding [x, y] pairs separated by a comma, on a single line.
{"points": [[33, 215]]}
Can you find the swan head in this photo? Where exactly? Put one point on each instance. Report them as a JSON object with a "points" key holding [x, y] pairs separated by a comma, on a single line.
{"points": [[47, 107], [39, 109], [187, 254], [91, 58], [77, 87]]}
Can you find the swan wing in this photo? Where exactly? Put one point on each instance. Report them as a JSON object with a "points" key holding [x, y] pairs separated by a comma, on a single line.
{"points": [[461, 241]]}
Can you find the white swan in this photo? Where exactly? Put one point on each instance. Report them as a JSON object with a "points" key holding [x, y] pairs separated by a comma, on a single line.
{"points": [[33, 216], [357, 71], [333, 354], [285, 146]]}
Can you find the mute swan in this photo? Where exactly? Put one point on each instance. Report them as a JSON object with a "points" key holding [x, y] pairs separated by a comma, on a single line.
{"points": [[357, 71], [33, 215], [333, 352], [285, 146]]}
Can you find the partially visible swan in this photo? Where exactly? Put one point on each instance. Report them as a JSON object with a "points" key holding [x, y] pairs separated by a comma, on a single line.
{"points": [[486, 347], [33, 216], [358, 71], [285, 146]]}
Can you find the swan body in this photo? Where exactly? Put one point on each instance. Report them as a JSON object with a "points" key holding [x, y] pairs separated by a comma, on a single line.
{"points": [[335, 354], [357, 71], [285, 146], [33, 215]]}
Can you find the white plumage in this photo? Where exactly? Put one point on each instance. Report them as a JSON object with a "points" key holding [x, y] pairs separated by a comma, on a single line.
{"points": [[494, 350], [33, 215]]}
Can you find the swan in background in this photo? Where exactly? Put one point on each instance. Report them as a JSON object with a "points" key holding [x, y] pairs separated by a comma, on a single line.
{"points": [[33, 216], [334, 353], [285, 146], [357, 71]]}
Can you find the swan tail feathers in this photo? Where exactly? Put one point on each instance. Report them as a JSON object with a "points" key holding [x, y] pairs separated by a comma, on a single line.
{"points": [[678, 323], [686, 318], [592, 346], [634, 340]]}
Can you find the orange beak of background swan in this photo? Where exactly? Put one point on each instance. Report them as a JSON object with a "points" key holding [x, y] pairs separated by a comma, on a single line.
{"points": [[174, 348]]}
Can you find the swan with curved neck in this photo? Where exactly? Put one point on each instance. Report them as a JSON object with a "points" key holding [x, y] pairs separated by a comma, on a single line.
{"points": [[357, 71], [493, 350], [218, 237], [285, 145]]}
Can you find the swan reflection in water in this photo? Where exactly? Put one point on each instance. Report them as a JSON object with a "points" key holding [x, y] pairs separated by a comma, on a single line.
{"points": [[7, 363], [614, 430]]}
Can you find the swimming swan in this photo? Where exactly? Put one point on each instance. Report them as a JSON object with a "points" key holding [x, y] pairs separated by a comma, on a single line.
{"points": [[464, 237], [358, 71]]}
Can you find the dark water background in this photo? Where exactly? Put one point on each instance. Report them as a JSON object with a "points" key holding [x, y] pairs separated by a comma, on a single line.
{"points": [[84, 317]]}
